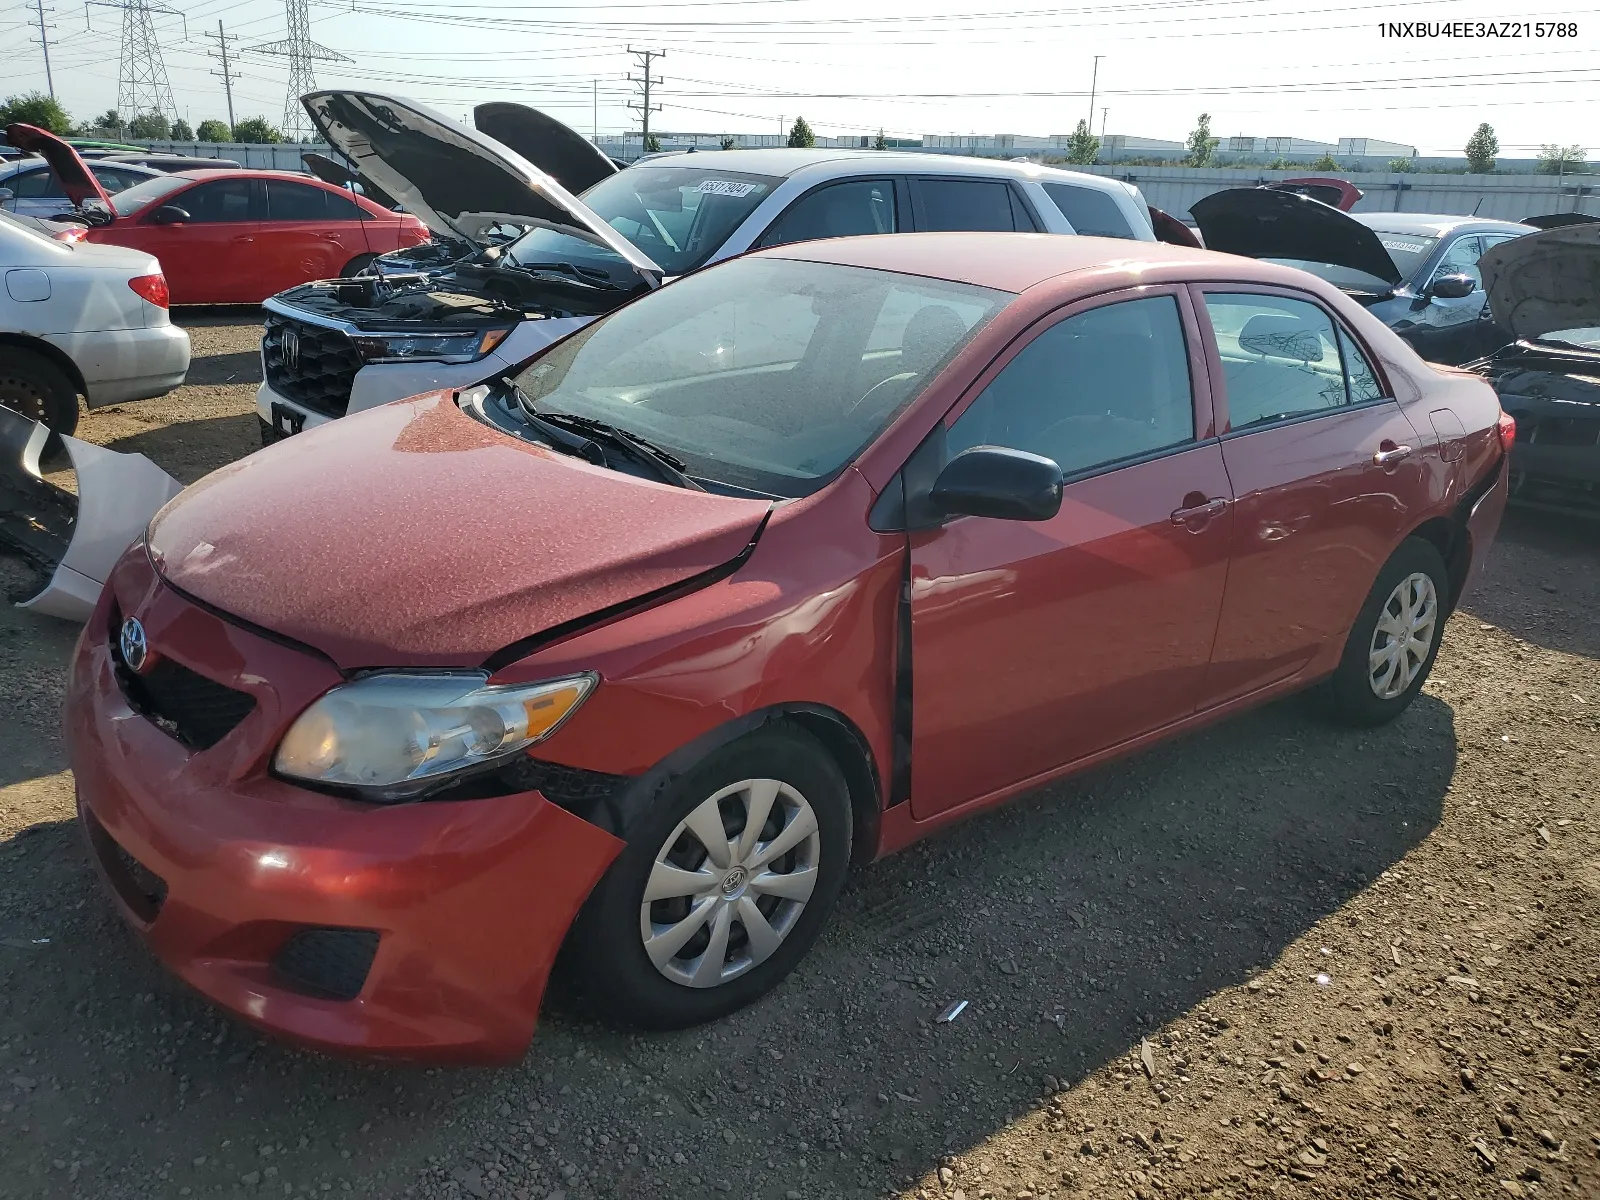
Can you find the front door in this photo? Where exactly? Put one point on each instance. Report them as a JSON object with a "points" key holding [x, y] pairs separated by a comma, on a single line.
{"points": [[204, 257], [1036, 644], [1327, 472], [1461, 258]]}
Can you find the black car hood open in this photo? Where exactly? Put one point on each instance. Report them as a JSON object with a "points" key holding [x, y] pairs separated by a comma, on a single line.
{"points": [[1263, 223], [1545, 281], [1559, 220], [557, 149], [336, 173], [458, 181]]}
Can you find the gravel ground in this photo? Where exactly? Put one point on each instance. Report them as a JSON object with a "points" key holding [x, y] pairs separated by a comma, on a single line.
{"points": [[1272, 957]]}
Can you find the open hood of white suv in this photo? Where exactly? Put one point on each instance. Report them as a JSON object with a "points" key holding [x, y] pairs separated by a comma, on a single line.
{"points": [[458, 181]]}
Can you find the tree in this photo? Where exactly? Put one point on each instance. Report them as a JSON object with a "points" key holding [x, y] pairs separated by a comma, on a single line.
{"points": [[1082, 147], [256, 131], [1325, 163], [151, 126], [1279, 164], [1201, 143], [801, 135], [107, 124], [36, 109], [880, 142], [1404, 166], [214, 131], [652, 144], [181, 131], [1561, 160], [727, 142], [1482, 146]]}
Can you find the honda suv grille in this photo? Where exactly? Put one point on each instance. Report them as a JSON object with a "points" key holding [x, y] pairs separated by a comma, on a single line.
{"points": [[310, 364]]}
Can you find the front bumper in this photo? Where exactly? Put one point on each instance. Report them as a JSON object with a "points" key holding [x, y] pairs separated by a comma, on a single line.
{"points": [[122, 365], [220, 867]]}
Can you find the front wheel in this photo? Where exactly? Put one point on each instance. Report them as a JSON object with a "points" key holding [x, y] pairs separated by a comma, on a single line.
{"points": [[357, 265], [724, 885], [1394, 640]]}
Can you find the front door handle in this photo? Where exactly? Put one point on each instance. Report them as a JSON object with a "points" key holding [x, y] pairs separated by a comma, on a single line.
{"points": [[1200, 512], [1392, 456]]}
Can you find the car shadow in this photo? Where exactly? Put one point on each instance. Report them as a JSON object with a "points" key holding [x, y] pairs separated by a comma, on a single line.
{"points": [[242, 366], [1541, 584], [188, 450], [1074, 921], [215, 314]]}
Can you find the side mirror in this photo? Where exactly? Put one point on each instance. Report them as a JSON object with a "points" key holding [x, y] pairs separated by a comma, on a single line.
{"points": [[1452, 287], [991, 481], [170, 214]]}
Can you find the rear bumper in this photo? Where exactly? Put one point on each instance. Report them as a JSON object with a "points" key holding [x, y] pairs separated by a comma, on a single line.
{"points": [[219, 866], [122, 365], [1483, 523]]}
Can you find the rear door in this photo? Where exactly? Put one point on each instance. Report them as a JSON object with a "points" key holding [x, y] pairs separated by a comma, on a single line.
{"points": [[304, 236], [1035, 644], [209, 258], [1327, 473], [843, 208], [969, 204]]}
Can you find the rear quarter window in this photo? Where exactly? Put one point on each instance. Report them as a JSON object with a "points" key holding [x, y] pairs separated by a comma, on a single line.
{"points": [[1091, 213]]}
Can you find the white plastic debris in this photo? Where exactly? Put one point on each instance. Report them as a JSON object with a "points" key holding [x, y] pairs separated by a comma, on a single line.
{"points": [[951, 1012]]}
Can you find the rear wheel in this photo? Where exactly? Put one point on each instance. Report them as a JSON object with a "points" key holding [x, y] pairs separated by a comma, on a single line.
{"points": [[1394, 640], [357, 265], [723, 887], [38, 389]]}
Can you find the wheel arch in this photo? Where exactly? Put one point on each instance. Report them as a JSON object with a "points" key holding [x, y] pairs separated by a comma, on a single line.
{"points": [[46, 350]]}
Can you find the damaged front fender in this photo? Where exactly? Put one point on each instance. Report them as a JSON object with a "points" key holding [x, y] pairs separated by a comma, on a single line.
{"points": [[72, 541]]}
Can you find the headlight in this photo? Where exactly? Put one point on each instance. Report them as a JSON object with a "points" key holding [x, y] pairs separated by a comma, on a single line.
{"points": [[399, 733], [429, 347]]}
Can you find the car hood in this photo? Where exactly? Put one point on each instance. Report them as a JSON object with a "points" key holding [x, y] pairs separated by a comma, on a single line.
{"points": [[559, 150], [459, 181], [1558, 220], [1264, 223], [336, 173], [1545, 281], [1340, 193], [414, 535], [76, 179]]}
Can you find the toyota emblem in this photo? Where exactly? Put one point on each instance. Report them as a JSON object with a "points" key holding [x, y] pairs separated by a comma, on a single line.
{"points": [[289, 349], [133, 644]]}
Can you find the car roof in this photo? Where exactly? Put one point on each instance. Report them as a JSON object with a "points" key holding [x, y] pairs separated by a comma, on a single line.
{"points": [[1014, 262], [784, 162], [1433, 224], [249, 173]]}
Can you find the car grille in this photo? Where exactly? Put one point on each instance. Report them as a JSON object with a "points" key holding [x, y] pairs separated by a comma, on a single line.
{"points": [[310, 364], [199, 712]]}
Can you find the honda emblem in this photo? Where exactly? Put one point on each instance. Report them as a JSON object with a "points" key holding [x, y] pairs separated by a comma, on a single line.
{"points": [[289, 349]]}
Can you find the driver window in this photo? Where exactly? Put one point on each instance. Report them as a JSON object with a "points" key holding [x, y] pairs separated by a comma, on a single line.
{"points": [[1098, 388], [1462, 259]]}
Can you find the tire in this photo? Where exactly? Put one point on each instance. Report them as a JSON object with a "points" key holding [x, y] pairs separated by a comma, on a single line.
{"points": [[356, 265], [1369, 690], [613, 970], [38, 389]]}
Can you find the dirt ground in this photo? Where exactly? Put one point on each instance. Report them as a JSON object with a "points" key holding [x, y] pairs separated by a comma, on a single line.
{"points": [[1273, 957]]}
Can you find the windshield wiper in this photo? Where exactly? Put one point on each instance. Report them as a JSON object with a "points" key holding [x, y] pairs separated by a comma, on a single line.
{"points": [[666, 465], [598, 278], [572, 443]]}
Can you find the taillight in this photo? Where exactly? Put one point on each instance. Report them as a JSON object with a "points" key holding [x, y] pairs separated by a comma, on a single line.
{"points": [[152, 287], [72, 233], [1506, 427]]}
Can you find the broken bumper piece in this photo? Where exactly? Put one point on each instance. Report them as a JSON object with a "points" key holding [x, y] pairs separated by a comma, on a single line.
{"points": [[72, 541]]}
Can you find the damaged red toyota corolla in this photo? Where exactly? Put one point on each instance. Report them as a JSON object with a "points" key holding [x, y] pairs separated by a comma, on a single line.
{"points": [[764, 574]]}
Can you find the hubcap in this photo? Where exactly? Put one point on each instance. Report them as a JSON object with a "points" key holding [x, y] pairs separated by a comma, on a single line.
{"points": [[730, 882], [1404, 635]]}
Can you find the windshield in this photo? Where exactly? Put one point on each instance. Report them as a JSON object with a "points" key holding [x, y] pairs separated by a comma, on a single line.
{"points": [[1588, 338], [1409, 250], [131, 200], [1346, 279], [679, 216], [763, 373]]}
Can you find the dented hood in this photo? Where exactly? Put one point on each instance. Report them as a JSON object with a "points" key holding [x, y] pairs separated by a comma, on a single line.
{"points": [[77, 181], [1263, 223], [559, 150], [460, 182], [1545, 281], [414, 535]]}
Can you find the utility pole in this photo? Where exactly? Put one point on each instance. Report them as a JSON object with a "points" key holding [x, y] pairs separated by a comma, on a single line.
{"points": [[227, 73], [1093, 81], [44, 44], [644, 82], [594, 99]]}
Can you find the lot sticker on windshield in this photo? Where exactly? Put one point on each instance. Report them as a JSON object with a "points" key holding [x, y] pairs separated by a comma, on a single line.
{"points": [[1409, 247], [726, 187]]}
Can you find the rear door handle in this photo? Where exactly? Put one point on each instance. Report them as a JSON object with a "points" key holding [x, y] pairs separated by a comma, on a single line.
{"points": [[1200, 512], [1390, 457]]}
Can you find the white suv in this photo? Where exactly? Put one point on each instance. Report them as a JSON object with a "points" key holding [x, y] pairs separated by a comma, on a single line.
{"points": [[341, 346]]}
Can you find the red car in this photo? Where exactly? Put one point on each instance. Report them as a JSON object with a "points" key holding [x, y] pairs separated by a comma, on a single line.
{"points": [[229, 236], [765, 574]]}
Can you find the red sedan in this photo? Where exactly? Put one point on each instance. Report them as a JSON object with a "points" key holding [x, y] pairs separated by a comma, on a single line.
{"points": [[768, 573], [238, 236]]}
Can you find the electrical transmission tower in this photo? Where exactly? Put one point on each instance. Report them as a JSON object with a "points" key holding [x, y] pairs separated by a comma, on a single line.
{"points": [[302, 53], [645, 81], [142, 85]]}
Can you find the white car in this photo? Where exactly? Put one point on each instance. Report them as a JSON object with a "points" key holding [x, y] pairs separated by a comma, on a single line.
{"points": [[35, 191], [341, 346], [81, 319]]}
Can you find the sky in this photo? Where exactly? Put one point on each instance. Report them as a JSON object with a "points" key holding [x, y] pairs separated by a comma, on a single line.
{"points": [[1267, 68]]}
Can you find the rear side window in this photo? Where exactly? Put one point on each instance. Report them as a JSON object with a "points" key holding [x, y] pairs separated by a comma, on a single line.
{"points": [[295, 202], [1358, 372], [115, 179], [849, 209], [223, 200], [1089, 212], [35, 185], [1280, 358], [961, 205], [341, 208]]}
